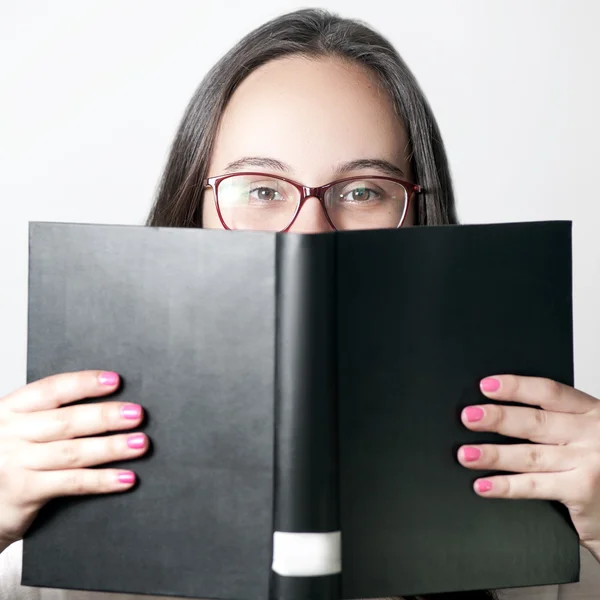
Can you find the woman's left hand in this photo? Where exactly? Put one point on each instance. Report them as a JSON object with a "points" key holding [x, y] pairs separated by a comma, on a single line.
{"points": [[564, 462]]}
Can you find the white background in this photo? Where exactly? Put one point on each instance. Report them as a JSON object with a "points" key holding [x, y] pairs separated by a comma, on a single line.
{"points": [[91, 93]]}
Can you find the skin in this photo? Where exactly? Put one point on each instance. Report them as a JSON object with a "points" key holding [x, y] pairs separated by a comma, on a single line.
{"points": [[272, 116], [40, 460], [337, 114]]}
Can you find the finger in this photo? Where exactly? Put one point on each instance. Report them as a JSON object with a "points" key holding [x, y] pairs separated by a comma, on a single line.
{"points": [[58, 390], [86, 452], [536, 391], [78, 421], [532, 424], [540, 486], [519, 458], [79, 482]]}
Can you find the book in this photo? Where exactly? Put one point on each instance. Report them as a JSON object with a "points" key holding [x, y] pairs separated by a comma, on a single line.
{"points": [[303, 396]]}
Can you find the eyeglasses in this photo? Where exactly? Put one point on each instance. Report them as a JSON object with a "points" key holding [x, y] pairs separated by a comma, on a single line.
{"points": [[271, 203]]}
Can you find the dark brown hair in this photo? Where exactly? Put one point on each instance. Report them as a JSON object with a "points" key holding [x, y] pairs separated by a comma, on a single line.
{"points": [[310, 33]]}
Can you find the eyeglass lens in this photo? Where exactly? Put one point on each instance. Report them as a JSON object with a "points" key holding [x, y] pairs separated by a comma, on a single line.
{"points": [[267, 203]]}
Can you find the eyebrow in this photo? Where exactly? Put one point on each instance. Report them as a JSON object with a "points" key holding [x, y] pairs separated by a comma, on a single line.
{"points": [[353, 165], [257, 161], [370, 163]]}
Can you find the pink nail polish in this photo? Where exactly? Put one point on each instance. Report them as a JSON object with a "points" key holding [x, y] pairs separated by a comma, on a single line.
{"points": [[126, 477], [136, 441], [131, 411], [489, 384], [108, 378], [473, 413], [484, 485], [470, 454]]}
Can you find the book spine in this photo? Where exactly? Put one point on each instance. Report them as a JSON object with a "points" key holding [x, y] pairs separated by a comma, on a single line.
{"points": [[306, 539]]}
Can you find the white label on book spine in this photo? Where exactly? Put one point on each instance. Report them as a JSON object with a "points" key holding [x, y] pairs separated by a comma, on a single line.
{"points": [[307, 554]]}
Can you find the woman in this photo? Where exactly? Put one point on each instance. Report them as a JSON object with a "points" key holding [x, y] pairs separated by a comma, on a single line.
{"points": [[313, 99]]}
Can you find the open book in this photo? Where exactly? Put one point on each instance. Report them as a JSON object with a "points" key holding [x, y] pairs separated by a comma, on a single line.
{"points": [[303, 394]]}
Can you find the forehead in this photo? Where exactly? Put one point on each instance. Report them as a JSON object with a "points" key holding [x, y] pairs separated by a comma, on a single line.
{"points": [[310, 113]]}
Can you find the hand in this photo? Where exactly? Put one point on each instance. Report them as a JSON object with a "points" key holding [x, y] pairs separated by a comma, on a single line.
{"points": [[564, 462], [44, 448]]}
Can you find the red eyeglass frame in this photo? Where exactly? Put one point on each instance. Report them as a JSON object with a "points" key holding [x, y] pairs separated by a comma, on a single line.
{"points": [[310, 192]]}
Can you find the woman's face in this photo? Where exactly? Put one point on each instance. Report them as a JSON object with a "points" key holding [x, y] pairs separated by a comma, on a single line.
{"points": [[308, 120]]}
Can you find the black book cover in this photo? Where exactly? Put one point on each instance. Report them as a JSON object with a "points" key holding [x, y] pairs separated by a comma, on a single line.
{"points": [[303, 394]]}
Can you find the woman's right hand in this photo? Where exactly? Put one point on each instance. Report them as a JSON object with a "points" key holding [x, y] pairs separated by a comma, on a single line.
{"points": [[46, 446]]}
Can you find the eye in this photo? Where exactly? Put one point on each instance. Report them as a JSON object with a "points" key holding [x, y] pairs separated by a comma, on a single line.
{"points": [[359, 193], [264, 194]]}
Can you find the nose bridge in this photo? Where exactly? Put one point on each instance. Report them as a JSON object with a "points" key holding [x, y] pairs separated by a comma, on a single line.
{"points": [[312, 215], [308, 192]]}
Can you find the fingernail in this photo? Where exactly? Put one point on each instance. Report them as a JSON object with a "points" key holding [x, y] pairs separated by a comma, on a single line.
{"points": [[108, 378], [484, 485], [470, 454], [473, 413], [131, 411], [136, 441], [489, 384], [126, 477]]}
